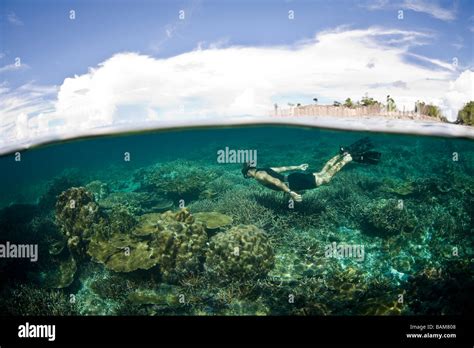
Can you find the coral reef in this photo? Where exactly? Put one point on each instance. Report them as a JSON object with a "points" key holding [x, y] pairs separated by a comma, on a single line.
{"points": [[243, 252], [118, 220], [56, 187], [60, 274], [243, 209], [382, 306], [76, 214], [24, 299], [99, 189], [147, 224], [164, 296], [246, 307], [177, 180], [117, 247], [387, 217], [122, 253], [174, 240], [403, 189], [446, 291], [213, 220], [137, 203], [180, 243]]}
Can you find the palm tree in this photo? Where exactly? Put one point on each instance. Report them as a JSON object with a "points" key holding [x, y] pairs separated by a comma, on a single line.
{"points": [[348, 103]]}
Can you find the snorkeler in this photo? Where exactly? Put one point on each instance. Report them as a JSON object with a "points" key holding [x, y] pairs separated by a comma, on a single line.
{"points": [[293, 183]]}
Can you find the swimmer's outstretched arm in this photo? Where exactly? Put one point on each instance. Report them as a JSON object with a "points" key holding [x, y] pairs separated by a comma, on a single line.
{"points": [[265, 178], [288, 168]]}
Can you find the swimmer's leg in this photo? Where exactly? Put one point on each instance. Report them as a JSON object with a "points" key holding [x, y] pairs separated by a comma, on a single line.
{"points": [[331, 162], [331, 168]]}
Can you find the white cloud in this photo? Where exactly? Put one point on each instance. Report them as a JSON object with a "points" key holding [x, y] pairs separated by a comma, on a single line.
{"points": [[436, 62], [13, 19], [429, 7], [396, 84], [460, 91], [172, 29], [233, 81], [459, 43], [236, 80], [13, 67], [22, 108], [376, 4]]}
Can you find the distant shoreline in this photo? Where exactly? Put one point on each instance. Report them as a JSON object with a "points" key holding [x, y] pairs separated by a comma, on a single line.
{"points": [[357, 112]]}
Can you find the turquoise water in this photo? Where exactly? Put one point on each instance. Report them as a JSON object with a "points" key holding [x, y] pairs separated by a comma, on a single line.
{"points": [[159, 227]]}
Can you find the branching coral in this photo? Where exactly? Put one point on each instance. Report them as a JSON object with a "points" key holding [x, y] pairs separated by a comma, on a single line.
{"points": [[31, 300], [177, 180], [244, 209], [98, 188], [136, 203], [400, 188], [387, 217]]}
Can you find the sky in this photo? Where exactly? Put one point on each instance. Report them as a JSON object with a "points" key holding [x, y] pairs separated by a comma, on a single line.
{"points": [[67, 65]]}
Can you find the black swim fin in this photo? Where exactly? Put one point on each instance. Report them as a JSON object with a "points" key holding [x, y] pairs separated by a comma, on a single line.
{"points": [[357, 148], [360, 151], [369, 157]]}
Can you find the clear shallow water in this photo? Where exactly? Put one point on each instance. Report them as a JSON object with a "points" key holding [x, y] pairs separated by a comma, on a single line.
{"points": [[407, 220]]}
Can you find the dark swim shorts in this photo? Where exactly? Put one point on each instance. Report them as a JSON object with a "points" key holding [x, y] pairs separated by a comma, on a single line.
{"points": [[301, 181]]}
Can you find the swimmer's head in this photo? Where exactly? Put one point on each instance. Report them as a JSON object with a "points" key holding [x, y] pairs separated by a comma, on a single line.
{"points": [[246, 167]]}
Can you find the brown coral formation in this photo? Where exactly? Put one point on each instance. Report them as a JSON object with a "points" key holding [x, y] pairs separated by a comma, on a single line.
{"points": [[76, 214], [180, 243], [242, 252], [213, 220], [123, 253], [174, 240]]}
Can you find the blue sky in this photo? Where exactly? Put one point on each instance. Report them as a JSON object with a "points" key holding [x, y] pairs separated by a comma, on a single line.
{"points": [[121, 39]]}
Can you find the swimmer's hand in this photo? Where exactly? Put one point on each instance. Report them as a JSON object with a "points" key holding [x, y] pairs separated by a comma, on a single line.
{"points": [[295, 196], [303, 166]]}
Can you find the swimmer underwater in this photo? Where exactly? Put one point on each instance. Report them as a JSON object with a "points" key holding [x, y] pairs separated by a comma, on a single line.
{"points": [[294, 183]]}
